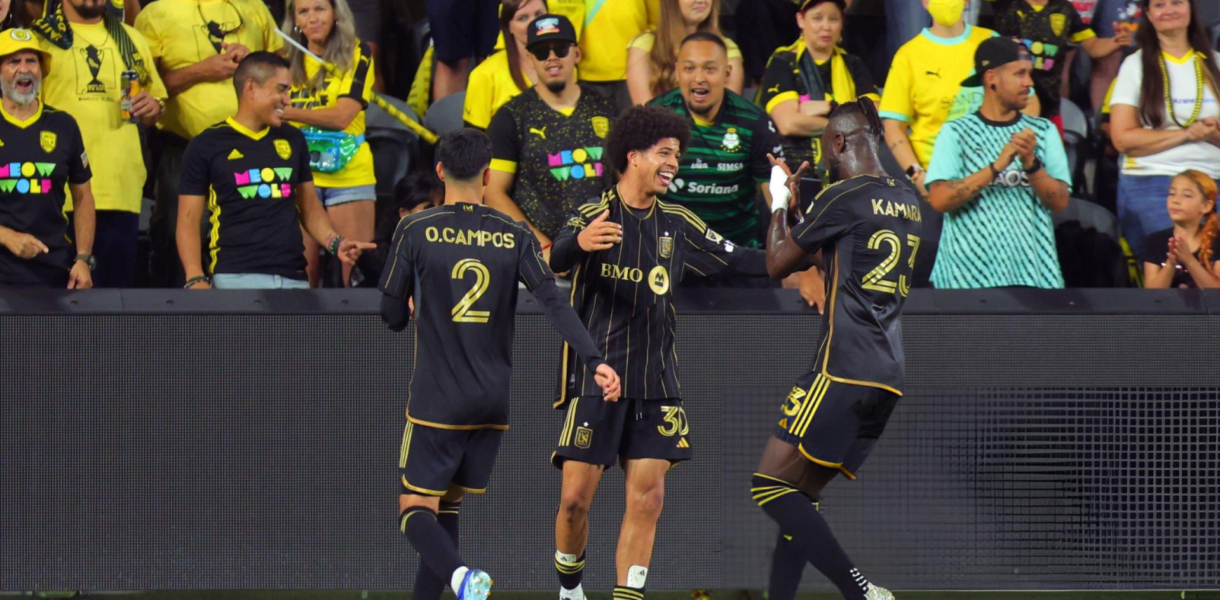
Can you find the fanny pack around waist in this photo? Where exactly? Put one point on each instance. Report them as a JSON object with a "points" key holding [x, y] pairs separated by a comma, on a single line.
{"points": [[330, 151]]}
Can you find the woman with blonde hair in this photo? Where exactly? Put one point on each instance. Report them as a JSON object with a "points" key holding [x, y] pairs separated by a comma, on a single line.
{"points": [[1186, 255], [652, 56], [329, 109]]}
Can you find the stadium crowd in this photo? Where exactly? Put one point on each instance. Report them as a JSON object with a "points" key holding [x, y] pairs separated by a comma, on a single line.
{"points": [[237, 143]]}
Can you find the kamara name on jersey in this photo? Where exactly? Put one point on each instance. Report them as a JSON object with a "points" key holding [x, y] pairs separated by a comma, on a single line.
{"points": [[19, 177], [470, 237], [886, 208], [265, 183]]}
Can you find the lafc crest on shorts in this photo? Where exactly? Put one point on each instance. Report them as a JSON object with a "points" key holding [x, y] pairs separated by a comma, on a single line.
{"points": [[584, 437]]}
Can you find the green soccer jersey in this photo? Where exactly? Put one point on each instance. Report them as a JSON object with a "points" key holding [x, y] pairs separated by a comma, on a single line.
{"points": [[719, 172], [1005, 236]]}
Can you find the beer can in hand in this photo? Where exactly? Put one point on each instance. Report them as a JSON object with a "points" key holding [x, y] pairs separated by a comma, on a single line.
{"points": [[131, 89]]}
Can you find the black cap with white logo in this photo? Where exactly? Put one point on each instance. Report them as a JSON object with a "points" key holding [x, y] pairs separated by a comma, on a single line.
{"points": [[549, 28]]}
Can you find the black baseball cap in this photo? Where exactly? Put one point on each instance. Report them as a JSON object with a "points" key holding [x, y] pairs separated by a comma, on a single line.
{"points": [[994, 53], [808, 4], [549, 28]]}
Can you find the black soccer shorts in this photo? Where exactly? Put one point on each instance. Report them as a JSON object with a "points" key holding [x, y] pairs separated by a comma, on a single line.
{"points": [[597, 432], [432, 458], [835, 424]]}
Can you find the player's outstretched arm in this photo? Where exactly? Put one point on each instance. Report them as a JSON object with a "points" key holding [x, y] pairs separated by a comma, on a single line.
{"points": [[540, 281], [577, 239], [784, 256]]}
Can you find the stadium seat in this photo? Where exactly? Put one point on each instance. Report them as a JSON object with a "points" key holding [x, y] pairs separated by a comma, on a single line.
{"points": [[445, 115], [1087, 240], [394, 146], [1075, 139]]}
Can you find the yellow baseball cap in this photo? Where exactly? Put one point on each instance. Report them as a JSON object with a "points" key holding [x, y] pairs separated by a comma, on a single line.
{"points": [[16, 40]]}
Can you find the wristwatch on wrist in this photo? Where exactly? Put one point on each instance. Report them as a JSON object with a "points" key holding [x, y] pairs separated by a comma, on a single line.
{"points": [[1034, 168], [88, 260], [913, 170]]}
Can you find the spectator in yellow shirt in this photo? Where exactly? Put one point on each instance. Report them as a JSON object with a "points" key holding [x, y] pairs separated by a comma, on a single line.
{"points": [[652, 56], [92, 50], [196, 45], [509, 71], [606, 28], [330, 111]]}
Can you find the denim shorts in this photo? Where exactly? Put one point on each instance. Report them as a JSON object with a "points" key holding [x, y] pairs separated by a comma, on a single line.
{"points": [[256, 281], [342, 195]]}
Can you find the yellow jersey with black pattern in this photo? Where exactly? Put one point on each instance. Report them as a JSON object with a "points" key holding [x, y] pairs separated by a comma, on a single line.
{"points": [[251, 181], [868, 229], [357, 84], [39, 156]]}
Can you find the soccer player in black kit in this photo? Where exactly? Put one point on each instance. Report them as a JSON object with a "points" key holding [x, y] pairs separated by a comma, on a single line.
{"points": [[867, 227], [626, 252], [460, 263]]}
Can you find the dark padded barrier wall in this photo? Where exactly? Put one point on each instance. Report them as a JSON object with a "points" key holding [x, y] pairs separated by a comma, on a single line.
{"points": [[165, 439]]}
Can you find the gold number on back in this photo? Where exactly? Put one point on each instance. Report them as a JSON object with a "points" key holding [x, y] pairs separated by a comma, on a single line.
{"points": [[875, 279], [462, 311]]}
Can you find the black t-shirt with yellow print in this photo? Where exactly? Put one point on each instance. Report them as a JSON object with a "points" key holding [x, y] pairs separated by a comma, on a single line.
{"points": [[38, 158], [790, 75], [251, 180], [556, 158]]}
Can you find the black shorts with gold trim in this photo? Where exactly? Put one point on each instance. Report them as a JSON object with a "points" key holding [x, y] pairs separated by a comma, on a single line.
{"points": [[597, 432], [432, 458], [835, 424]]}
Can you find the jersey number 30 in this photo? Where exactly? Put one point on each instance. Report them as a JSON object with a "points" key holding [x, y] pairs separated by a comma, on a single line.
{"points": [[875, 280], [463, 311]]}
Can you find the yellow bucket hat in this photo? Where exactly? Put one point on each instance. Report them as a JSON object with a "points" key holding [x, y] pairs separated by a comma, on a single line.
{"points": [[16, 40]]}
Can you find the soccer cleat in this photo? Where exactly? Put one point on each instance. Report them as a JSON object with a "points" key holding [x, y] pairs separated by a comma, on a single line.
{"points": [[878, 593], [476, 585], [576, 594]]}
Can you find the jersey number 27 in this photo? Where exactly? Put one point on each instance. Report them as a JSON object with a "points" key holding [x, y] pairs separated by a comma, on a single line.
{"points": [[875, 279]]}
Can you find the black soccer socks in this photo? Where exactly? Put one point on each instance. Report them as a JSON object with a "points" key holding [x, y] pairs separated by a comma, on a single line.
{"points": [[570, 569], [809, 534], [436, 549], [429, 585]]}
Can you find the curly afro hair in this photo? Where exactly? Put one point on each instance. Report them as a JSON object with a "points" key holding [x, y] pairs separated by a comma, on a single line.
{"points": [[640, 128]]}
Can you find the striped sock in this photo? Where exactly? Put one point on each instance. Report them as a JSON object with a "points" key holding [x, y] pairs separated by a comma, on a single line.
{"points": [[622, 592], [570, 569], [429, 585], [810, 534]]}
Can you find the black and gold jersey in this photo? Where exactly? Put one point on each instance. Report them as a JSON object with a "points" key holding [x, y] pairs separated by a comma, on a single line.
{"points": [[556, 158], [868, 229], [461, 264], [38, 157], [251, 181], [624, 295]]}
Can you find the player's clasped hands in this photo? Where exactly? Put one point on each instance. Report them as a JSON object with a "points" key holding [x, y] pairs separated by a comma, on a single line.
{"points": [[607, 378], [600, 234]]}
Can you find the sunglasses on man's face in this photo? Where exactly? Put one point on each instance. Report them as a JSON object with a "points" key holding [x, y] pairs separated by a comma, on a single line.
{"points": [[543, 51]]}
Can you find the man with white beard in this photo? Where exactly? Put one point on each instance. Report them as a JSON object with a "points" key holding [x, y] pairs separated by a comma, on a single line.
{"points": [[40, 152]]}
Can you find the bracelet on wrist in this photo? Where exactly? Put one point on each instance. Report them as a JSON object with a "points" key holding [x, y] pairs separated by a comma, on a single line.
{"points": [[333, 246], [546, 247], [200, 279], [994, 171]]}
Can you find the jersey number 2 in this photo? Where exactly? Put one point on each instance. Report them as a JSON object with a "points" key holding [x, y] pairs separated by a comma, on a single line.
{"points": [[462, 311], [875, 280]]}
